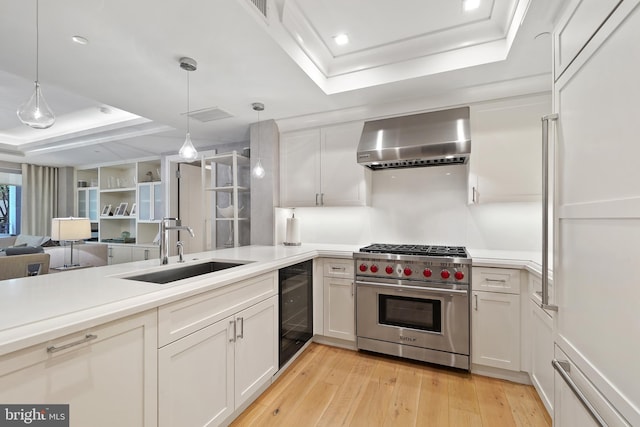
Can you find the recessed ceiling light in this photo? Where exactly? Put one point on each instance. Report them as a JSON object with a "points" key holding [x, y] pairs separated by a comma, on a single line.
{"points": [[80, 40], [469, 5], [341, 39]]}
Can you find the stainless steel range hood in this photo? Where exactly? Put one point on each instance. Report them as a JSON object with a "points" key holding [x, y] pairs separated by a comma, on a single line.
{"points": [[429, 139]]}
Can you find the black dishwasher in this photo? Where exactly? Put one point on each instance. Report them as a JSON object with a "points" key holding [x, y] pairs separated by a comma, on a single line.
{"points": [[296, 308]]}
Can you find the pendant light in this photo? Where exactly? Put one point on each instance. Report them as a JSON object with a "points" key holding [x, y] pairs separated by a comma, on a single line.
{"points": [[188, 151], [258, 171], [35, 112]]}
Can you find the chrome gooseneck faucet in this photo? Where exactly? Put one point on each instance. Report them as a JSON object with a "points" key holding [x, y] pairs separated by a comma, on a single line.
{"points": [[164, 236]]}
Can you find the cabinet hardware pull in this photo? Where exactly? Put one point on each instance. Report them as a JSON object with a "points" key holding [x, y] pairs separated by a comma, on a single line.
{"points": [[476, 298], [321, 199], [563, 368], [146, 254], [352, 288], [413, 288], [545, 212], [496, 280], [241, 334], [232, 323], [317, 199], [473, 194], [87, 338], [338, 268]]}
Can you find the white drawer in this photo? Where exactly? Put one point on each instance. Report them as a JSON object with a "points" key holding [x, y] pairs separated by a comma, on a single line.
{"points": [[186, 316], [503, 280], [338, 268]]}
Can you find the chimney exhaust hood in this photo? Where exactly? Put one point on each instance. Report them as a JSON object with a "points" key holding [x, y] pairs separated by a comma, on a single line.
{"points": [[437, 138]]}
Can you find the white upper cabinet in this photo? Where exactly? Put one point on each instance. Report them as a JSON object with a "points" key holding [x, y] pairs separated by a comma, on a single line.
{"points": [[506, 156], [318, 167], [577, 28]]}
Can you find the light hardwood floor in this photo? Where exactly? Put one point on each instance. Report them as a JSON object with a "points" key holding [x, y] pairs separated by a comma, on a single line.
{"points": [[328, 386]]}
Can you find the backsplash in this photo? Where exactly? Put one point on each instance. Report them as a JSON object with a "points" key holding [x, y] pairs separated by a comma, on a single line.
{"points": [[422, 206]]}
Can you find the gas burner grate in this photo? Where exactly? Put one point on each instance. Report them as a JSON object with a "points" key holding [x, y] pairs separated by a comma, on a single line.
{"points": [[421, 250]]}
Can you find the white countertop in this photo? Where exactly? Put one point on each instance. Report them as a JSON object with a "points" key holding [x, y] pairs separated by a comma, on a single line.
{"points": [[37, 309]]}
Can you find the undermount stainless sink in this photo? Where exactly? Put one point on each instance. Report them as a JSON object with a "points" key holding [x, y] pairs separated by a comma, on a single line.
{"points": [[184, 272]]}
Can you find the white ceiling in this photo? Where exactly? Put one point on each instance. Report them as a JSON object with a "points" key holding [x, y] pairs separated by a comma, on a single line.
{"points": [[123, 95]]}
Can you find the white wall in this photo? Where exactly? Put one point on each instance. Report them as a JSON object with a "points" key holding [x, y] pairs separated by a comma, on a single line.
{"points": [[422, 206]]}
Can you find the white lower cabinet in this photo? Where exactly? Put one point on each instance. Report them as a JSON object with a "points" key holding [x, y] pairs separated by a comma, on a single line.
{"points": [[339, 321], [495, 320], [207, 375], [195, 387], [256, 349], [339, 301], [107, 374], [118, 254], [541, 352]]}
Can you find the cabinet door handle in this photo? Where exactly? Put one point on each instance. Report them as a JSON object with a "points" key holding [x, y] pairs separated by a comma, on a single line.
{"points": [[545, 212], [475, 296], [352, 288], [241, 334], [563, 368], [473, 194], [317, 199], [232, 325], [87, 338], [146, 254], [321, 199], [338, 268], [496, 280]]}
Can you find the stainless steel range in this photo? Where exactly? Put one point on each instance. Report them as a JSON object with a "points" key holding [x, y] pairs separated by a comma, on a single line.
{"points": [[413, 301]]}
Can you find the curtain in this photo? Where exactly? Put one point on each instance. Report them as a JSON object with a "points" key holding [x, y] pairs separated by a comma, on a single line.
{"points": [[39, 199]]}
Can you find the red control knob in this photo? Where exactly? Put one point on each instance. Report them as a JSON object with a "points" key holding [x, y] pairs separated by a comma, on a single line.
{"points": [[459, 275], [363, 267], [445, 274], [407, 271], [374, 268], [427, 272], [389, 269]]}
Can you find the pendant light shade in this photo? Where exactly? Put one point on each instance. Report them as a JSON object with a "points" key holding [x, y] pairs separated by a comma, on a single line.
{"points": [[35, 112], [258, 170], [188, 151]]}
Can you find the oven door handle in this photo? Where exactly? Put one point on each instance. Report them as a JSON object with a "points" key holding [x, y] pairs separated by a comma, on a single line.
{"points": [[413, 288]]}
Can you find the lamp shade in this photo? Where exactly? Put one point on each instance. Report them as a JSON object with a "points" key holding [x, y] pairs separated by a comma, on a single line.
{"points": [[70, 228]]}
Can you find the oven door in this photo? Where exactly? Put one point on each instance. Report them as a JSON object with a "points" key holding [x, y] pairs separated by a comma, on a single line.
{"points": [[431, 318]]}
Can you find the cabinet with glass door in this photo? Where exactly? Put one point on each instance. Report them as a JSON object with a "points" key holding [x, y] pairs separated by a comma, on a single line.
{"points": [[225, 182], [88, 198]]}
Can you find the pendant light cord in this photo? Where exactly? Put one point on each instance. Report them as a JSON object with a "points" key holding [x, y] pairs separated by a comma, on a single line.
{"points": [[258, 134], [37, 39], [188, 90]]}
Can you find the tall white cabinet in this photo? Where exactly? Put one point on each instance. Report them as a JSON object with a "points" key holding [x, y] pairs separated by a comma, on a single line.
{"points": [[597, 208], [318, 167]]}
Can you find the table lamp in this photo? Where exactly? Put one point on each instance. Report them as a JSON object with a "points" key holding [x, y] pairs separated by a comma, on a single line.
{"points": [[70, 230]]}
